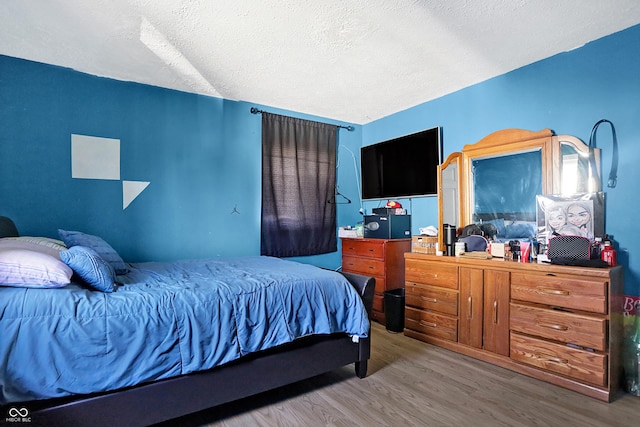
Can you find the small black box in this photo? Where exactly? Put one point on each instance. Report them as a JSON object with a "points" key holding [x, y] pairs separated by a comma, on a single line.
{"points": [[387, 226], [387, 211]]}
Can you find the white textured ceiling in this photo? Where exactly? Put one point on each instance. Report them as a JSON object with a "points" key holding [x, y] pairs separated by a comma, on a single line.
{"points": [[349, 60]]}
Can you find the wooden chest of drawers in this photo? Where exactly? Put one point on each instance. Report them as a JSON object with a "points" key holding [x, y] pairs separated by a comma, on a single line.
{"points": [[560, 324], [382, 259], [431, 295]]}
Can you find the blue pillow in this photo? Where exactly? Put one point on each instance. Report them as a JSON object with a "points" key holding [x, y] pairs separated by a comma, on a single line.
{"points": [[77, 238], [520, 231], [87, 264]]}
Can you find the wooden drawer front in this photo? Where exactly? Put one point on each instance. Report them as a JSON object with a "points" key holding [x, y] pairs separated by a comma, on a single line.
{"points": [[582, 365], [380, 285], [585, 331], [366, 266], [366, 248], [437, 325], [431, 273], [378, 303], [568, 292], [431, 298]]}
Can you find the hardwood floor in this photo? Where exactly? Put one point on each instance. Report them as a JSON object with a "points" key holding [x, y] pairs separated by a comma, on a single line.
{"points": [[410, 383]]}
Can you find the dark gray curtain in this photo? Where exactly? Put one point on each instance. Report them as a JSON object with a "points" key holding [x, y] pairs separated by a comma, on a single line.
{"points": [[298, 180]]}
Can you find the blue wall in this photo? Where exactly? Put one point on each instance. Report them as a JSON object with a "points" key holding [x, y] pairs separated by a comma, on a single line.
{"points": [[202, 154], [567, 93]]}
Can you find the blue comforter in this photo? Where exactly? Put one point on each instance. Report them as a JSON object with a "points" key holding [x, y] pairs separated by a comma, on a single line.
{"points": [[167, 319]]}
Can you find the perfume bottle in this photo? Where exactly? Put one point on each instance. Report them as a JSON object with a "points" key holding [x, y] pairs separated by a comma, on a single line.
{"points": [[608, 254]]}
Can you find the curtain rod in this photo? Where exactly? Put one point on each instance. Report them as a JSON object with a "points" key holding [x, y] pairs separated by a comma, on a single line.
{"points": [[254, 110]]}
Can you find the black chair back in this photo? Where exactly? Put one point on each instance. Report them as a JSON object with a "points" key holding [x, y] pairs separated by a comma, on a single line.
{"points": [[7, 227]]}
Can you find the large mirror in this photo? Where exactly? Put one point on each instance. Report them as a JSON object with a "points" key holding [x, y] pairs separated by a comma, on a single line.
{"points": [[505, 186], [496, 180]]}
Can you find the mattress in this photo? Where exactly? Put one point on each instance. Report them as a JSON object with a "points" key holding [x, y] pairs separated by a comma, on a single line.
{"points": [[164, 320]]}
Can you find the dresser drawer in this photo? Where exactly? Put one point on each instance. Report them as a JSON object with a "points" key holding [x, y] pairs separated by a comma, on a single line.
{"points": [[431, 298], [431, 273], [582, 365], [378, 303], [381, 285], [429, 323], [561, 291], [365, 266], [365, 248], [585, 331]]}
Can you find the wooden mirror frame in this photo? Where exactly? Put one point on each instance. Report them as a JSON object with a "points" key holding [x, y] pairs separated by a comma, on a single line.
{"points": [[502, 143], [454, 159]]}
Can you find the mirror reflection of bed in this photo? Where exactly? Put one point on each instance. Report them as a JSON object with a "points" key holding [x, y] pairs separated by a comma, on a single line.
{"points": [[505, 195]]}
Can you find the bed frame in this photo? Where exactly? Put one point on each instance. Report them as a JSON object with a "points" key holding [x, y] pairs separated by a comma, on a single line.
{"points": [[163, 400]]}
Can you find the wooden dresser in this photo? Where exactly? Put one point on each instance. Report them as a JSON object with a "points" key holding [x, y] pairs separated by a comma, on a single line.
{"points": [[382, 259], [559, 324]]}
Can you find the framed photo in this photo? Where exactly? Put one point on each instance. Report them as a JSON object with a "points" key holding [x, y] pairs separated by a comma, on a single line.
{"points": [[574, 215]]}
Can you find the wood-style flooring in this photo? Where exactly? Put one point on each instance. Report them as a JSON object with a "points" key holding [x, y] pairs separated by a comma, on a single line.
{"points": [[410, 383]]}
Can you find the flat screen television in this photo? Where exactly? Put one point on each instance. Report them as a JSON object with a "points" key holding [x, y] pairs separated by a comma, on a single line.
{"points": [[402, 167]]}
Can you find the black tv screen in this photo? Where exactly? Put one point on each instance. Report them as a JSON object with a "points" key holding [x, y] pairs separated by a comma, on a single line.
{"points": [[402, 167]]}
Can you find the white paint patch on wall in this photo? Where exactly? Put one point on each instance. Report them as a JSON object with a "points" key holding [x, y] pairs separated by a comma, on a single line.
{"points": [[94, 157], [131, 190]]}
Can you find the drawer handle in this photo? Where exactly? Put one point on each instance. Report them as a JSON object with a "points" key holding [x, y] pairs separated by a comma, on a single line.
{"points": [[547, 358], [428, 324], [495, 312], [429, 299], [553, 291], [553, 326]]}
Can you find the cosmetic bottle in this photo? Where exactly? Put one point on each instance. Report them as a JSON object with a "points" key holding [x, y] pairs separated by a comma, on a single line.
{"points": [[596, 248], [608, 254]]}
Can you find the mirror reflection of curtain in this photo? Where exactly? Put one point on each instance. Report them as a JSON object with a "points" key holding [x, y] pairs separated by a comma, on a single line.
{"points": [[298, 178]]}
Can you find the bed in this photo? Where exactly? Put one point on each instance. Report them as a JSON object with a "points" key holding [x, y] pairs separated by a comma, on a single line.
{"points": [[504, 227], [162, 340]]}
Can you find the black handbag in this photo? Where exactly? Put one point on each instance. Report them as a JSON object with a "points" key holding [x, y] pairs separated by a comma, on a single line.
{"points": [[569, 247]]}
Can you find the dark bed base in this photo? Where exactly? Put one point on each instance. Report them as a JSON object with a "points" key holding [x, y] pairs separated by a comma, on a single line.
{"points": [[163, 400]]}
